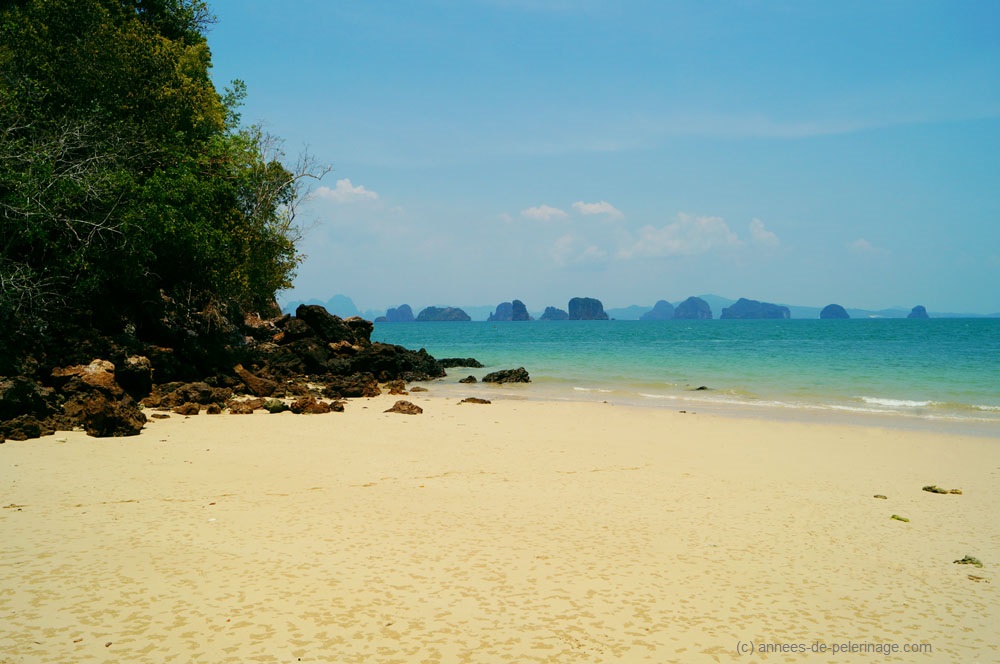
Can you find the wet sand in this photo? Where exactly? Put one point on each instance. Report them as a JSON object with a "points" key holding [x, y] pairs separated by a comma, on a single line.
{"points": [[518, 531]]}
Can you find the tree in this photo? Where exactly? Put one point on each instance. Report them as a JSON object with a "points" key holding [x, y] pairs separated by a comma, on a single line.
{"points": [[131, 201]]}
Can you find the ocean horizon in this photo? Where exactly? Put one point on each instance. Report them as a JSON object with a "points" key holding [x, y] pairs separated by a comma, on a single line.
{"points": [[937, 373]]}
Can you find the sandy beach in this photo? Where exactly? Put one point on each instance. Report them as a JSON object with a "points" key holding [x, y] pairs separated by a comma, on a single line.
{"points": [[518, 531]]}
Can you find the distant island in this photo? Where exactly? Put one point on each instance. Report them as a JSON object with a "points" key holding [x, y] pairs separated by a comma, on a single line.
{"points": [[701, 307]]}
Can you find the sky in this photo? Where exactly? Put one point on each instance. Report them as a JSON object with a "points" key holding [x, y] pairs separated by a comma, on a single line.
{"points": [[799, 152]]}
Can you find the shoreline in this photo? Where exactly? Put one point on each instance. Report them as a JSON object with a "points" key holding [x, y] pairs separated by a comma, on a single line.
{"points": [[780, 411], [521, 530]]}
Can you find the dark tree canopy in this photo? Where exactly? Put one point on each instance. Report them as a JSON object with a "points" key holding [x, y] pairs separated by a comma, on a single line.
{"points": [[130, 199]]}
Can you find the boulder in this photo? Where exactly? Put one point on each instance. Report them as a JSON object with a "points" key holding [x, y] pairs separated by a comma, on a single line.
{"points": [[552, 313], [693, 308], [187, 409], [744, 309], [332, 328], [259, 387], [450, 362], [918, 312], [468, 379], [475, 400], [135, 375], [98, 375], [834, 311], [662, 310], [21, 396], [439, 314], [586, 308], [405, 408], [396, 387], [519, 375], [353, 386], [103, 415]]}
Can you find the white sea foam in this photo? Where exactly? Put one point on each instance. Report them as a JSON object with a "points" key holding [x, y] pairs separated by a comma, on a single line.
{"points": [[592, 389], [896, 403]]}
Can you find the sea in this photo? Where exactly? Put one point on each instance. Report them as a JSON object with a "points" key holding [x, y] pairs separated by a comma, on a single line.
{"points": [[941, 374]]}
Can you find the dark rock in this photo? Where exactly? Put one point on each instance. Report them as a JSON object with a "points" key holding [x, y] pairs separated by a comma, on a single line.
{"points": [[401, 314], [353, 386], [337, 406], [388, 362], [135, 375], [693, 308], [969, 560], [880, 496], [552, 313], [213, 409], [417, 388], [586, 308], [295, 329], [519, 375], [405, 408], [170, 395], [834, 311], [744, 309], [310, 406], [475, 400], [103, 415], [438, 314], [22, 396], [332, 328], [450, 362], [160, 416], [24, 427], [187, 409], [260, 387], [662, 310], [918, 312], [468, 379]]}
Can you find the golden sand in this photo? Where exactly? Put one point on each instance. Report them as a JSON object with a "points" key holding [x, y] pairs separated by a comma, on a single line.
{"points": [[512, 532]]}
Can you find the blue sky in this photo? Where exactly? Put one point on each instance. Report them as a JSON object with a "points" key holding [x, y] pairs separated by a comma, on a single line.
{"points": [[484, 150]]}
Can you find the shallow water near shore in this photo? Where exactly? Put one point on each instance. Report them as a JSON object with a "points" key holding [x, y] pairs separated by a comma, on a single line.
{"points": [[900, 372]]}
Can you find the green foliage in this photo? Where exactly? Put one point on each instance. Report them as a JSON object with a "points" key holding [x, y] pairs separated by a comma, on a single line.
{"points": [[125, 179]]}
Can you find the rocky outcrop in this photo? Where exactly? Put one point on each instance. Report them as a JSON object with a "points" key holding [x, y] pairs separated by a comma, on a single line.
{"points": [[662, 310], [744, 309], [442, 314], [519, 375], [510, 311], [586, 308], [918, 312], [693, 308], [401, 314], [450, 362], [552, 313], [834, 311], [284, 356]]}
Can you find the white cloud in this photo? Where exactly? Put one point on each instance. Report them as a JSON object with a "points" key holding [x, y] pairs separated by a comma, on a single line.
{"points": [[345, 192], [865, 248], [543, 213], [572, 250], [760, 236], [602, 207], [688, 236]]}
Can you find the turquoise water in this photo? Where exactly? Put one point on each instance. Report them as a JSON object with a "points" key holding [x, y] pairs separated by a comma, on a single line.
{"points": [[929, 371]]}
